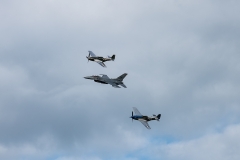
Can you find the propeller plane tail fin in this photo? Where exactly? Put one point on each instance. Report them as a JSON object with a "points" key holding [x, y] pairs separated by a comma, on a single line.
{"points": [[158, 116], [112, 58]]}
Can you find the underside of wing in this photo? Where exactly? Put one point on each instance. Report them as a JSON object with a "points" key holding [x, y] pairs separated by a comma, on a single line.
{"points": [[92, 54], [123, 85], [102, 64], [136, 111], [145, 124], [114, 84]]}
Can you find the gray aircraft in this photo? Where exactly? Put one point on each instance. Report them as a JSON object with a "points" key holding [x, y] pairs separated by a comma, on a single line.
{"points": [[144, 119], [98, 59], [106, 80]]}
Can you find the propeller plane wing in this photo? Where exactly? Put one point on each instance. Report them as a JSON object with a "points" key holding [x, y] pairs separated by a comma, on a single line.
{"points": [[145, 124]]}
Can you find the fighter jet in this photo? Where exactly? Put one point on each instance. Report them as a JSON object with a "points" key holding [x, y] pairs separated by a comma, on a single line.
{"points": [[106, 80], [144, 119], [98, 59]]}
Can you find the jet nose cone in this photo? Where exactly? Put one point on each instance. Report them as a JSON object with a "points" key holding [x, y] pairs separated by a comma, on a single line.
{"points": [[88, 77]]}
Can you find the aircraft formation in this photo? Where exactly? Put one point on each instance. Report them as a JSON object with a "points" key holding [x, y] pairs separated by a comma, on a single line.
{"points": [[115, 82]]}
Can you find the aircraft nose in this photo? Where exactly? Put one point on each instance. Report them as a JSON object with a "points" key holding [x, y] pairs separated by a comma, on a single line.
{"points": [[88, 77]]}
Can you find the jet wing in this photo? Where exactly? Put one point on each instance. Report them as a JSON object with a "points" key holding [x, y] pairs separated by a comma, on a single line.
{"points": [[92, 54], [102, 64], [145, 124], [136, 111], [105, 76]]}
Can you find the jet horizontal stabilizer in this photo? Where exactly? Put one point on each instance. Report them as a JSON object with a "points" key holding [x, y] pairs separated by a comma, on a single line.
{"points": [[115, 86], [123, 85]]}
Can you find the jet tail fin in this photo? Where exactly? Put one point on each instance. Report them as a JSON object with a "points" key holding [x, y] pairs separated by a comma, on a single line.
{"points": [[120, 78]]}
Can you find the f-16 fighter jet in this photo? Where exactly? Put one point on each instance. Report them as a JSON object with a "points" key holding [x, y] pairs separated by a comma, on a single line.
{"points": [[98, 59], [106, 80], [144, 119]]}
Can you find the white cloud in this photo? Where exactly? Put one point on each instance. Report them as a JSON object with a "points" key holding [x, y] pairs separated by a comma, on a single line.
{"points": [[220, 146]]}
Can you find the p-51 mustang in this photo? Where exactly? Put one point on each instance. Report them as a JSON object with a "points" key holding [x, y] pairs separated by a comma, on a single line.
{"points": [[144, 119], [106, 80], [98, 59]]}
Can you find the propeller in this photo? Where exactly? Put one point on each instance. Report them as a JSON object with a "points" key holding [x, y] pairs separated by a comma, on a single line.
{"points": [[132, 115], [88, 57]]}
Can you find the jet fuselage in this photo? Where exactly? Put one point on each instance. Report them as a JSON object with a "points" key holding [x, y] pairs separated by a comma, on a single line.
{"points": [[105, 80]]}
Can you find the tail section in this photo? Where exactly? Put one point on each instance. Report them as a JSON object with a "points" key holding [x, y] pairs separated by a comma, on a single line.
{"points": [[120, 78], [88, 56], [112, 58], [158, 116]]}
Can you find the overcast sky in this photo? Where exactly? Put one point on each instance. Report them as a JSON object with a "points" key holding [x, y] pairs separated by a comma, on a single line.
{"points": [[182, 59]]}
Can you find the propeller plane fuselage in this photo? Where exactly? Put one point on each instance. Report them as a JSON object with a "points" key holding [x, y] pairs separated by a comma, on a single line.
{"points": [[96, 59], [145, 118]]}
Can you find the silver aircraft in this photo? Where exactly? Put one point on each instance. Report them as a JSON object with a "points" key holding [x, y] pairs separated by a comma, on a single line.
{"points": [[144, 119], [106, 80], [99, 60]]}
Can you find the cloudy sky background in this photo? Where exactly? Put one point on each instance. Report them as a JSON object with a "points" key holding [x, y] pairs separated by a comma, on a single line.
{"points": [[182, 59]]}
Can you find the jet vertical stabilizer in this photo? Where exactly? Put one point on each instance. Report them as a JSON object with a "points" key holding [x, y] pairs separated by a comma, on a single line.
{"points": [[120, 78]]}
